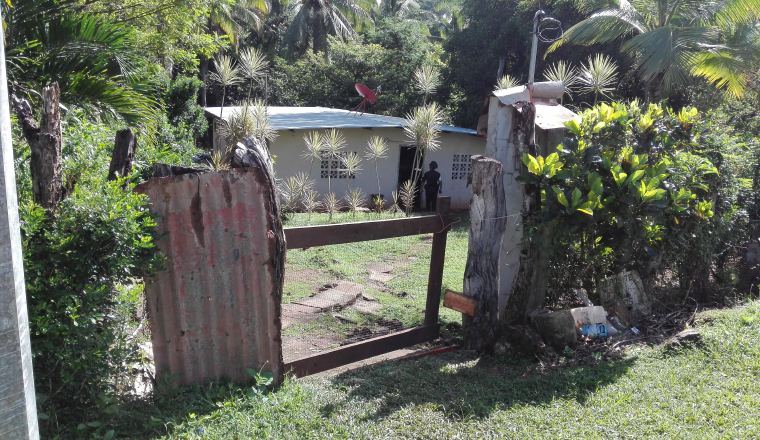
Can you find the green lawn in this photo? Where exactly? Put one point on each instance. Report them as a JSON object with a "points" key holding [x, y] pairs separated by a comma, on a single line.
{"points": [[708, 391]]}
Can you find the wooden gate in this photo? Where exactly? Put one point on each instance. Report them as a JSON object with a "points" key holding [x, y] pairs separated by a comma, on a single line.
{"points": [[325, 235]]}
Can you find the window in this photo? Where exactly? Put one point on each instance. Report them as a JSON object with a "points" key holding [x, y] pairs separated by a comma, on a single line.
{"points": [[335, 167], [460, 167]]}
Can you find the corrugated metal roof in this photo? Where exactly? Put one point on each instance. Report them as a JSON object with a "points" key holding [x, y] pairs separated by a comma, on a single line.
{"points": [[215, 309], [552, 116], [313, 118]]}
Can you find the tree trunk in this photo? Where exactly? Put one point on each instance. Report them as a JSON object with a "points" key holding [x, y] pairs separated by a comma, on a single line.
{"points": [[45, 143], [530, 286], [203, 74], [488, 220], [123, 154]]}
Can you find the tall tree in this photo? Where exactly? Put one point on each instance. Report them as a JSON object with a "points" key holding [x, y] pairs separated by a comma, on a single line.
{"points": [[672, 40], [314, 20]]}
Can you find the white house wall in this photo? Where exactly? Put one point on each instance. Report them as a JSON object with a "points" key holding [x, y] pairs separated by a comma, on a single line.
{"points": [[288, 150]]}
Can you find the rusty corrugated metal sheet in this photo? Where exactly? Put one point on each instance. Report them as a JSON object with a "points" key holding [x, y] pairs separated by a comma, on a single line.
{"points": [[215, 310]]}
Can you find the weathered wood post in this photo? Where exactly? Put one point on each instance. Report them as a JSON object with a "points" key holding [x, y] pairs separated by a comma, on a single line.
{"points": [[488, 221], [18, 410], [437, 260]]}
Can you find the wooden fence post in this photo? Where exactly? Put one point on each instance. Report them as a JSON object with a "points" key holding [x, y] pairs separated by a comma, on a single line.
{"points": [[18, 410], [437, 259], [488, 220]]}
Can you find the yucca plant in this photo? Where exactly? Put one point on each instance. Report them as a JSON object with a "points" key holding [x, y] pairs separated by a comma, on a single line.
{"points": [[562, 72], [377, 149], [250, 121], [396, 206], [254, 65], [314, 148], [423, 129], [331, 204], [505, 82], [355, 200], [598, 76], [310, 202], [332, 144], [294, 190], [352, 163], [227, 74], [427, 79], [219, 162], [407, 193]]}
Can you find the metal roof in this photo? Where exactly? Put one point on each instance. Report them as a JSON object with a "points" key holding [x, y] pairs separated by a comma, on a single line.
{"points": [[550, 116], [312, 118]]}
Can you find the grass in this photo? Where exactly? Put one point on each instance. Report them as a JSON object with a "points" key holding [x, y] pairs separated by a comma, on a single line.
{"points": [[704, 391], [402, 298]]}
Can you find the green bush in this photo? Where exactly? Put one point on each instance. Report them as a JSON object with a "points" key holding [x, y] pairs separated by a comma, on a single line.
{"points": [[629, 189], [183, 110]]}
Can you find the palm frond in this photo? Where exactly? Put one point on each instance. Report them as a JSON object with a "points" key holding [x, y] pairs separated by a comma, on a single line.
{"points": [[603, 27]]}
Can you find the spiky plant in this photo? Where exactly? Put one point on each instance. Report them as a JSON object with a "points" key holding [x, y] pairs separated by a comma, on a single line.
{"points": [[227, 74], [423, 129], [407, 193], [505, 82], [598, 76], [219, 162], [254, 65], [377, 149], [250, 121], [355, 200], [562, 72], [332, 143], [262, 131], [331, 204], [310, 202], [314, 143], [396, 206], [427, 79], [352, 162]]}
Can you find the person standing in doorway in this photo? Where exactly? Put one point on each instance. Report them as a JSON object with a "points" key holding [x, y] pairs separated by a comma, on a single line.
{"points": [[431, 181]]}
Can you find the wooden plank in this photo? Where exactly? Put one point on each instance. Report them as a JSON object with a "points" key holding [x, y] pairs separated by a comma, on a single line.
{"points": [[437, 261], [361, 350], [460, 303], [322, 235]]}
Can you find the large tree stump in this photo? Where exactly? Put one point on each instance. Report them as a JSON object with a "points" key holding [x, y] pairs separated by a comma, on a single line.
{"points": [[45, 143], [488, 219], [123, 154]]}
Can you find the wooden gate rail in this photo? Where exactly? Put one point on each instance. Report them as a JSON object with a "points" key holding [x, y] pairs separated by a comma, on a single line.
{"points": [[324, 235]]}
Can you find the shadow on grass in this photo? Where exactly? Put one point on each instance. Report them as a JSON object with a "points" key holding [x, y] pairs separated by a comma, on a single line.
{"points": [[468, 386]]}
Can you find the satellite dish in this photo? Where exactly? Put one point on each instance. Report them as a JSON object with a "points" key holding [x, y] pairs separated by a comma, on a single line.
{"points": [[369, 97]]}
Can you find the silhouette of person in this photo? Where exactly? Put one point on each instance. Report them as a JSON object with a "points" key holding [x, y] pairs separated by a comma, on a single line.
{"points": [[431, 181]]}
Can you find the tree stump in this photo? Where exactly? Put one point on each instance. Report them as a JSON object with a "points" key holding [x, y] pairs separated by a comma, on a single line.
{"points": [[488, 219], [123, 154]]}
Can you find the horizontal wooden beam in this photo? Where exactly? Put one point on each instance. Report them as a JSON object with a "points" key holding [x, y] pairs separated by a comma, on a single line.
{"points": [[361, 350], [460, 303], [311, 236]]}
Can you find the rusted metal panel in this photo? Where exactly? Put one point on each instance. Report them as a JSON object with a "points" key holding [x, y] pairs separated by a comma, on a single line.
{"points": [[215, 309]]}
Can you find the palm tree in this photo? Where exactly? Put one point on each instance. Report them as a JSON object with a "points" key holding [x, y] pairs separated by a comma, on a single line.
{"points": [[234, 19], [672, 40], [314, 20]]}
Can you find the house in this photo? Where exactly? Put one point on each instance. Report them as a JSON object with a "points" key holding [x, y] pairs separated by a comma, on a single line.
{"points": [[293, 123]]}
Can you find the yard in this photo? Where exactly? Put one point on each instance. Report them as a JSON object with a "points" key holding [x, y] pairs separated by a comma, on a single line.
{"points": [[390, 277], [705, 391]]}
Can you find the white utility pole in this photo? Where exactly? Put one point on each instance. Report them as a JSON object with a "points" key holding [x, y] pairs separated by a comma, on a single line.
{"points": [[18, 408]]}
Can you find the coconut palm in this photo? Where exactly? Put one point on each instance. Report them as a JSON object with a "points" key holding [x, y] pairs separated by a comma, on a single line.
{"points": [[314, 20], [672, 40]]}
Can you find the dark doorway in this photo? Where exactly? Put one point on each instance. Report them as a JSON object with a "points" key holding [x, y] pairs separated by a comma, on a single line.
{"points": [[406, 169]]}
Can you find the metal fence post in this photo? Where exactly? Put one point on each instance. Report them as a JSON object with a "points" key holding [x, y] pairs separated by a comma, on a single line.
{"points": [[18, 410], [437, 259]]}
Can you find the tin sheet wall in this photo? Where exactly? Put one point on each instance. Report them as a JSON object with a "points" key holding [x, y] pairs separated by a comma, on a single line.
{"points": [[215, 309]]}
